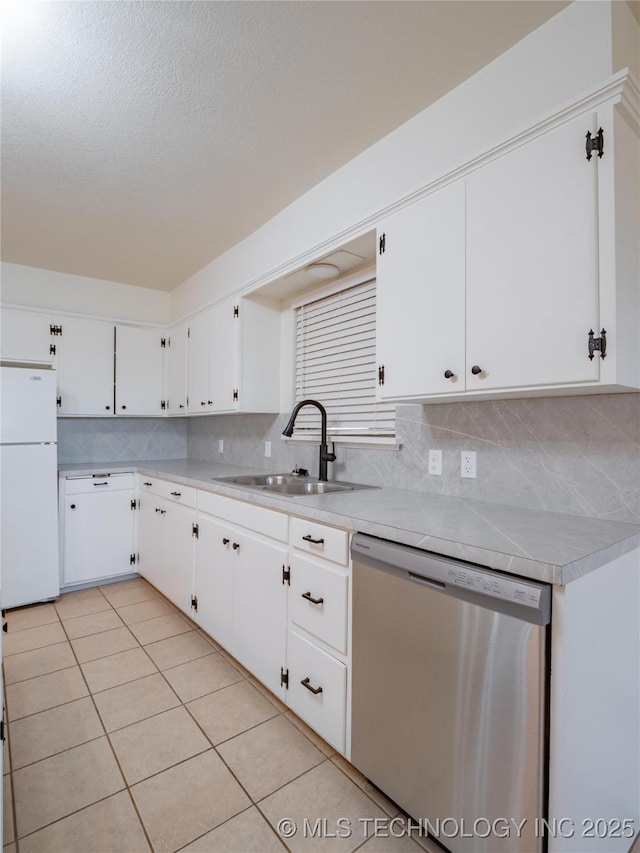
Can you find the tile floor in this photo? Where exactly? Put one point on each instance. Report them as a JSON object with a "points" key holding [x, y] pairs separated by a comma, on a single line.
{"points": [[130, 730]]}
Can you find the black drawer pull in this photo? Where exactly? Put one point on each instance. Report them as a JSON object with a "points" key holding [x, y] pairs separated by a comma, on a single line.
{"points": [[73, 506], [177, 494], [236, 546], [225, 541], [309, 538], [306, 682], [313, 600], [101, 484], [147, 484]]}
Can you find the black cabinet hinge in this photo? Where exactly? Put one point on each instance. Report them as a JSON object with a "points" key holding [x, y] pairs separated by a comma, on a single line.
{"points": [[163, 343], [194, 602], [132, 560], [382, 244], [195, 530], [286, 575], [2, 737], [189, 332], [59, 402], [235, 393], [52, 349], [284, 677], [55, 330], [135, 504], [163, 404], [236, 311], [381, 374], [597, 344], [595, 143]]}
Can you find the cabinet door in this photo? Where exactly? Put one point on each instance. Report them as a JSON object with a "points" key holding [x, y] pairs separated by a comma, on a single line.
{"points": [[26, 336], [420, 297], [139, 371], [198, 345], [150, 539], [532, 263], [260, 609], [98, 536], [176, 575], [223, 357], [84, 363], [177, 370], [213, 579]]}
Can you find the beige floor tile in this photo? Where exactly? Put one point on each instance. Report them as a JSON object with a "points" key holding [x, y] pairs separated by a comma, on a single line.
{"points": [[132, 613], [94, 623], [248, 832], [389, 807], [209, 639], [129, 595], [201, 676], [278, 705], [323, 794], [45, 691], [117, 669], [152, 630], [6, 754], [37, 662], [10, 848], [110, 825], [104, 644], [52, 731], [31, 617], [187, 800], [176, 650], [230, 711], [152, 745], [81, 603], [64, 783], [129, 583], [269, 756], [134, 701], [32, 638], [8, 828], [315, 738]]}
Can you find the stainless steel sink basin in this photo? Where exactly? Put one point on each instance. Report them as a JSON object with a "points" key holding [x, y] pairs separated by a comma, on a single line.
{"points": [[290, 484]]}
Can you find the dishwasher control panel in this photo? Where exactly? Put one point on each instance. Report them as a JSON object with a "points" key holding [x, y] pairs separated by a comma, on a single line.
{"points": [[494, 585]]}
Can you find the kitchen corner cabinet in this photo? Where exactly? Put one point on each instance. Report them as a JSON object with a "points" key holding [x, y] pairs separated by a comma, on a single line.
{"points": [[98, 522], [84, 365], [139, 371], [494, 282], [233, 358], [176, 388], [26, 336]]}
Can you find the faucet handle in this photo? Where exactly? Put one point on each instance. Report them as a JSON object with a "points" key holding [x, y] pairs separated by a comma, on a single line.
{"points": [[300, 472]]}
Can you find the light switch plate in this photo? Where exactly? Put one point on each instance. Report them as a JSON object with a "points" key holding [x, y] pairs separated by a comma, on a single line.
{"points": [[267, 449], [435, 462], [220, 445]]}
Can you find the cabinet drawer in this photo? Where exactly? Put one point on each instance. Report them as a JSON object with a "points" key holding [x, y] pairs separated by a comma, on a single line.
{"points": [[324, 710], [320, 540], [178, 493], [153, 485], [318, 599], [98, 483], [256, 518]]}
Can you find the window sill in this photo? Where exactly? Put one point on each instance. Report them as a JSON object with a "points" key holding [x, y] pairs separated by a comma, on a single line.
{"points": [[356, 442]]}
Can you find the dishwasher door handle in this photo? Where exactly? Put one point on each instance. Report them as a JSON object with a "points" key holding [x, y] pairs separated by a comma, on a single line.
{"points": [[426, 581]]}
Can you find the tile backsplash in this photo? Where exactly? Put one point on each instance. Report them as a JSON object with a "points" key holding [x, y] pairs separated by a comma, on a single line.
{"points": [[578, 455], [121, 439]]}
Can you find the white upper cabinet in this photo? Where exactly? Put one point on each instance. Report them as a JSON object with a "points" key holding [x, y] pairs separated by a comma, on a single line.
{"points": [[233, 358], [139, 371], [84, 363], [176, 394], [420, 296], [27, 336], [522, 277]]}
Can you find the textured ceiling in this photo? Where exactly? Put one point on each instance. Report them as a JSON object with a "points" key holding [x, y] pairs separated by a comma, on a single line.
{"points": [[140, 140]]}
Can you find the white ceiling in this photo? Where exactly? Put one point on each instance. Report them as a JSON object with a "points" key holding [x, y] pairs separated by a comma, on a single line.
{"points": [[140, 140]]}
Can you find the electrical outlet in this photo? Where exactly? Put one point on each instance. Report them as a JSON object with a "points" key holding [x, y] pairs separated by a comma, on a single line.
{"points": [[435, 462], [220, 445], [267, 449], [468, 464]]}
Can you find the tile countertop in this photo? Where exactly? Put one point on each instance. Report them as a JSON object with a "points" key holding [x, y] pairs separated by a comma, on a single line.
{"points": [[535, 544]]}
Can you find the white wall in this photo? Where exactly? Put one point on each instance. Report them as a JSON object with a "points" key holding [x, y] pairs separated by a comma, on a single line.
{"points": [[553, 65], [56, 291]]}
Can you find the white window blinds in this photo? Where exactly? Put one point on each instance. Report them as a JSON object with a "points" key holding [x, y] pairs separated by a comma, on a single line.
{"points": [[336, 365]]}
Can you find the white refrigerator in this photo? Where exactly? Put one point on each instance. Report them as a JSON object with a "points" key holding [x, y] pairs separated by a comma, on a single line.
{"points": [[29, 570]]}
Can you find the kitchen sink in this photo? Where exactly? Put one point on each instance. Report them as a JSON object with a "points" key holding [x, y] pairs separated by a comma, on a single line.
{"points": [[290, 484]]}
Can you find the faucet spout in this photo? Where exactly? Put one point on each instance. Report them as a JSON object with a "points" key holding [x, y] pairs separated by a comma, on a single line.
{"points": [[325, 455]]}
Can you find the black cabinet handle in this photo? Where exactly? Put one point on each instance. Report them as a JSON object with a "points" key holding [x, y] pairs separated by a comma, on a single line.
{"points": [[309, 538], [177, 494], [73, 506], [476, 370], [202, 403], [123, 407], [225, 541], [209, 402], [449, 374], [181, 406], [161, 511], [147, 484], [310, 598], [5, 627], [236, 546], [108, 408], [101, 484], [306, 682]]}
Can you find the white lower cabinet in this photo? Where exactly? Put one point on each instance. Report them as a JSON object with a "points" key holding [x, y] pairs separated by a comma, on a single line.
{"points": [[98, 527]]}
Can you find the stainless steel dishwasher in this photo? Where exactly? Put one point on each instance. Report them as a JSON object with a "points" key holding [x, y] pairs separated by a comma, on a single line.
{"points": [[449, 700]]}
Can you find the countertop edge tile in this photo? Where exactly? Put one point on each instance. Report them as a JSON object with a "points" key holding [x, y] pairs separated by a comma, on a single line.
{"points": [[534, 544]]}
